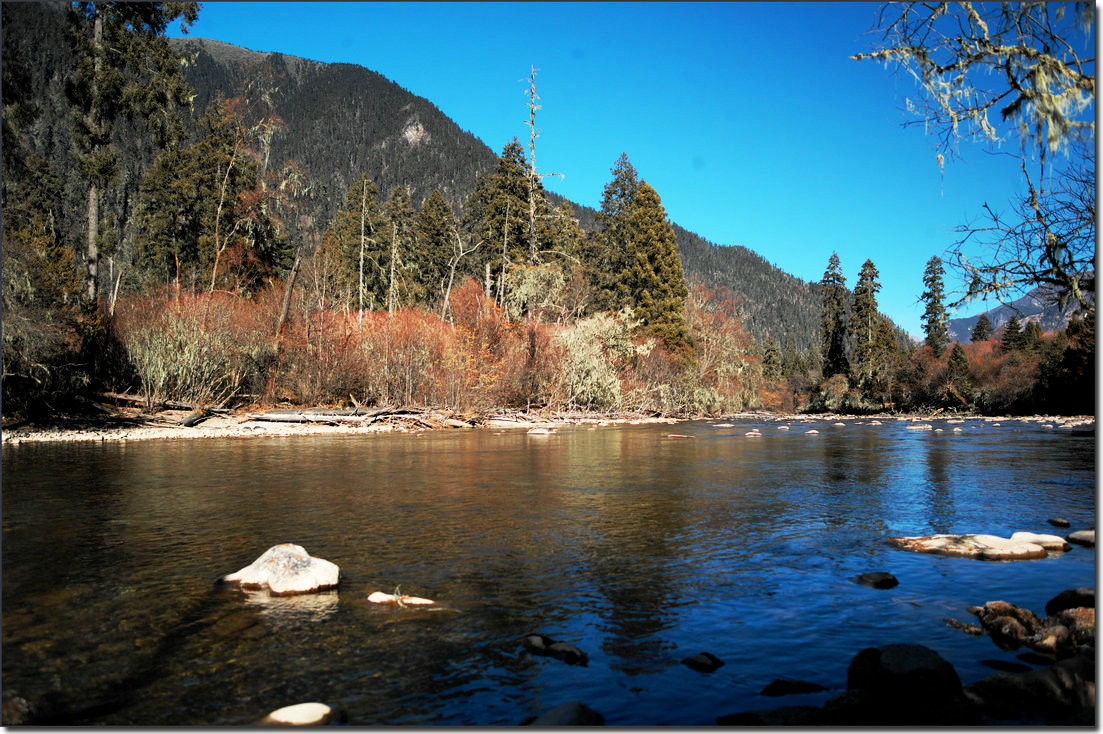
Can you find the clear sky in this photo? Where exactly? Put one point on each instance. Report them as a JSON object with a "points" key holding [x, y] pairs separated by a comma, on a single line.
{"points": [[749, 119]]}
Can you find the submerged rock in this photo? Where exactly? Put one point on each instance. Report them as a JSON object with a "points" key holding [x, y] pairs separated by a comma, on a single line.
{"points": [[565, 651], [287, 569], [978, 546], [1058, 522], [970, 629], [788, 687], [703, 662], [571, 713], [877, 579]]}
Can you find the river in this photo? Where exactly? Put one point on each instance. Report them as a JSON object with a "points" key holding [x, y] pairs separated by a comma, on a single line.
{"points": [[636, 546]]}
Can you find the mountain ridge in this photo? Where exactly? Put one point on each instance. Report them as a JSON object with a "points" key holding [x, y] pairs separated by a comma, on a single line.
{"points": [[774, 303]]}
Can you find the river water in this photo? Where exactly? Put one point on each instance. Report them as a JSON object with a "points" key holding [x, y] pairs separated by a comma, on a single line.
{"points": [[638, 547]]}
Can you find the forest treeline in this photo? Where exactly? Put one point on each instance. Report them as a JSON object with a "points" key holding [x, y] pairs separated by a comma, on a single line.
{"points": [[182, 258]]}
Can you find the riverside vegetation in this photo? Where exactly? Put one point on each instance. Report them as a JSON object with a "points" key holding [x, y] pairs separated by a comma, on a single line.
{"points": [[177, 260]]}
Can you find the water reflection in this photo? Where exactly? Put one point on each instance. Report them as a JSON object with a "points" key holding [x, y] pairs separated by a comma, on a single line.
{"points": [[637, 548], [938, 491], [293, 609]]}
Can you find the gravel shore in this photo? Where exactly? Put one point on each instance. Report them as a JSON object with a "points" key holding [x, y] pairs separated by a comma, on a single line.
{"points": [[125, 426]]}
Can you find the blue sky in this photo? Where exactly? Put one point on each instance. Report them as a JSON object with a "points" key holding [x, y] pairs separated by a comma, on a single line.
{"points": [[749, 119]]}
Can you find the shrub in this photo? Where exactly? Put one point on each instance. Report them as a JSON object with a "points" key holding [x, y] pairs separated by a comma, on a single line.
{"points": [[202, 349]]}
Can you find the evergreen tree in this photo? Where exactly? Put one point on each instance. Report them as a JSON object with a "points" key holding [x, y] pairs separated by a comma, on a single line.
{"points": [[1012, 339], [201, 212], [609, 252], [434, 232], [887, 361], [356, 241], [125, 68], [653, 280], [982, 330], [400, 270], [497, 213], [771, 360], [1032, 337], [958, 365], [935, 321], [864, 323], [957, 374], [833, 320]]}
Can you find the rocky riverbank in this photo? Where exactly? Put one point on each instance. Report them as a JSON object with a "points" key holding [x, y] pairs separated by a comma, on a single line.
{"points": [[170, 424], [132, 424]]}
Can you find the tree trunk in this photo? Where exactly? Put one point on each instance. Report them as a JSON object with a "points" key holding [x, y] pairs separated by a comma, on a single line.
{"points": [[363, 216], [285, 308], [91, 260], [394, 253]]}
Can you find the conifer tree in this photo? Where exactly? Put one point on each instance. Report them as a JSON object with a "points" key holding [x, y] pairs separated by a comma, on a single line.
{"points": [[887, 361], [434, 229], [935, 320], [357, 236], [654, 280], [608, 257], [1012, 338], [982, 330], [771, 360], [833, 319], [124, 69], [957, 373], [496, 213], [201, 205], [1032, 337], [398, 241], [864, 323]]}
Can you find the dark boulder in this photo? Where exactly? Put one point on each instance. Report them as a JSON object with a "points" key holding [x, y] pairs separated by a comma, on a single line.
{"points": [[1071, 598], [703, 662], [788, 686], [1058, 522], [877, 579], [1060, 693], [906, 685]]}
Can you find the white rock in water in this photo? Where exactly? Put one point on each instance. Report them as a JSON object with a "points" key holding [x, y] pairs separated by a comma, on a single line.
{"points": [[288, 569], [979, 546], [382, 597], [1083, 537], [1049, 542], [301, 714]]}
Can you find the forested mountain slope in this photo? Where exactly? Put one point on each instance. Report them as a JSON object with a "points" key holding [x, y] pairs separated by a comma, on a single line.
{"points": [[371, 124], [340, 120]]}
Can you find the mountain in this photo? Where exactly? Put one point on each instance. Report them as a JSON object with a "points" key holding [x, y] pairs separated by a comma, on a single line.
{"points": [[1037, 305], [341, 120], [371, 124]]}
